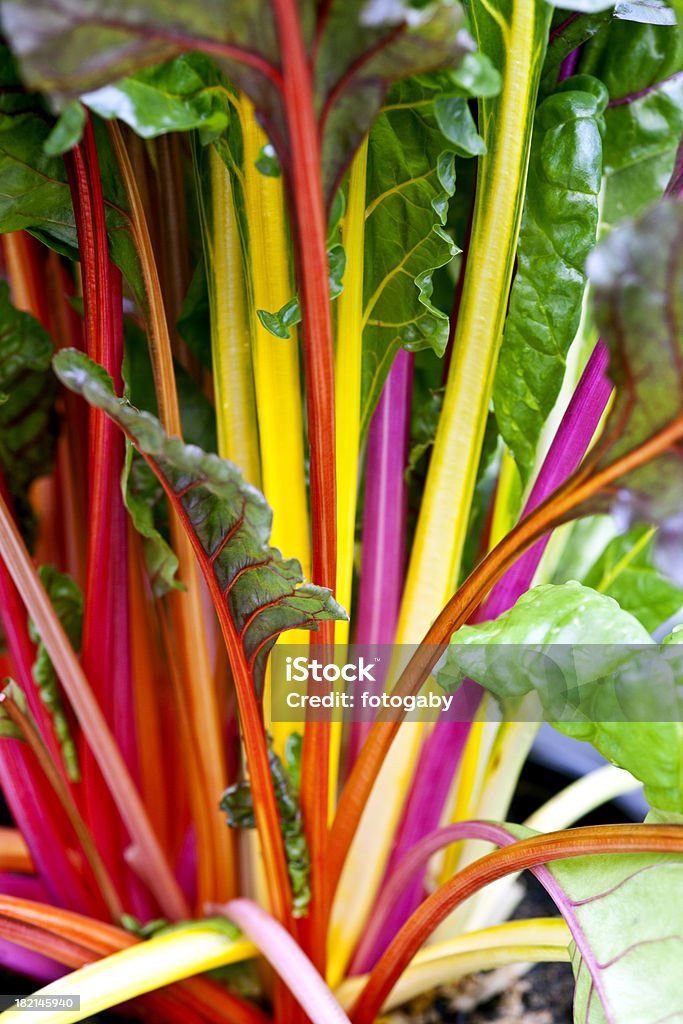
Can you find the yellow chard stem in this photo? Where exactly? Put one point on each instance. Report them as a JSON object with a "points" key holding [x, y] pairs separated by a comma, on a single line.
{"points": [[506, 123], [172, 956], [230, 325], [348, 357], [276, 361], [277, 379]]}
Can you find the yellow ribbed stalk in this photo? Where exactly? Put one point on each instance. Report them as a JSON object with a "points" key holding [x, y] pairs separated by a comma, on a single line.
{"points": [[348, 357], [276, 368], [347, 382], [230, 325], [444, 514], [145, 967], [276, 361], [506, 123]]}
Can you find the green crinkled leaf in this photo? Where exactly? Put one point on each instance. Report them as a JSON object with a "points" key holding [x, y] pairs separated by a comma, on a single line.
{"points": [[558, 231], [184, 94], [143, 496], [641, 66], [637, 279], [595, 673], [68, 130], [410, 179], [364, 46], [67, 600], [626, 571], [623, 911], [27, 403], [238, 805], [263, 593], [35, 194]]}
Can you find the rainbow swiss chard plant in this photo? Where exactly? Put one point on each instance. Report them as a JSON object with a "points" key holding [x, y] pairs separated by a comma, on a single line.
{"points": [[393, 288]]}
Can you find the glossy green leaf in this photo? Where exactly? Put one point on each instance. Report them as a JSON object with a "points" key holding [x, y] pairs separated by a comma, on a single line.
{"points": [[410, 179], [626, 571], [68, 130], [364, 46], [263, 593], [595, 674], [289, 315], [642, 67], [35, 196], [27, 403], [559, 228], [67, 600], [238, 805], [179, 95]]}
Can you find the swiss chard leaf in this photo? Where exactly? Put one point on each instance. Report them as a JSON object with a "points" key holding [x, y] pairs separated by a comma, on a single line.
{"points": [[142, 496], [410, 179], [27, 403], [182, 94], [641, 66], [626, 571], [637, 278], [237, 802], [596, 674], [622, 911], [35, 194], [230, 523], [67, 600], [362, 48], [558, 231]]}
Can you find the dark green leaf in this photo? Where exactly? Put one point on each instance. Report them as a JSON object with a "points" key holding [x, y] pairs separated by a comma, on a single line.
{"points": [[410, 180], [231, 521], [194, 322], [67, 600], [28, 426], [36, 197], [558, 231], [144, 499], [641, 66], [238, 805], [68, 130], [268, 163], [626, 572], [365, 46], [279, 323], [182, 94], [289, 315]]}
